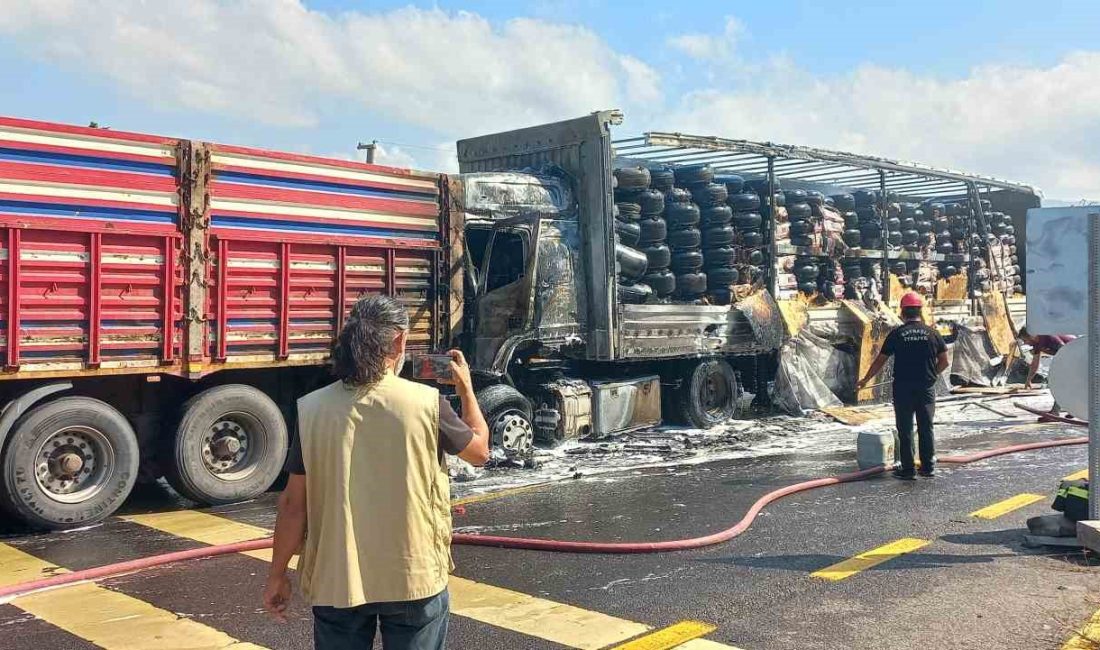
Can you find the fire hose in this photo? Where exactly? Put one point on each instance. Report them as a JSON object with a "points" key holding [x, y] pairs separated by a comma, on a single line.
{"points": [[549, 545]]}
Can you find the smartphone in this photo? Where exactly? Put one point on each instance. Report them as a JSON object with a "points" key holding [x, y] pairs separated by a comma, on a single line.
{"points": [[432, 366]]}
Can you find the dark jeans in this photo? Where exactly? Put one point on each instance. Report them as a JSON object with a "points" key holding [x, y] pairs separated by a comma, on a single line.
{"points": [[408, 625], [919, 402]]}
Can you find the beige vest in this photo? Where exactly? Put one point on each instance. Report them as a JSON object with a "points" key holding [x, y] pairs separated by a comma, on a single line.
{"points": [[377, 496]]}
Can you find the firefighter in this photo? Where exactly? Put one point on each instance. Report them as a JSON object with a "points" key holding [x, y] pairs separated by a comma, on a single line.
{"points": [[920, 355]]}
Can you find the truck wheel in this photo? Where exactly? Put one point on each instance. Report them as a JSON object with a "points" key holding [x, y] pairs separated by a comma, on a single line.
{"points": [[509, 416], [708, 394], [69, 462], [230, 445]]}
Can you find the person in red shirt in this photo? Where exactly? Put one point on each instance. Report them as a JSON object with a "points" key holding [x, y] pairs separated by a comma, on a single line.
{"points": [[1041, 344]]}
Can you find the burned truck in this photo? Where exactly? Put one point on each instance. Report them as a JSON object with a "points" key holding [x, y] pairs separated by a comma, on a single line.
{"points": [[561, 346]]}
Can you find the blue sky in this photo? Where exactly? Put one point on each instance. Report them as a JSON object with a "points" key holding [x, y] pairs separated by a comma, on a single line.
{"points": [[1001, 88]]}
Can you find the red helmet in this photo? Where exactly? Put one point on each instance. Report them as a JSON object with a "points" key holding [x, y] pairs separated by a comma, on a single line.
{"points": [[912, 299]]}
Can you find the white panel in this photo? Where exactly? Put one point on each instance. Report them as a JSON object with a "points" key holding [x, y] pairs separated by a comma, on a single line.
{"points": [[1057, 270]]}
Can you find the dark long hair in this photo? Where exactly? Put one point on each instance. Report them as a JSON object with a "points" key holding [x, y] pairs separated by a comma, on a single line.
{"points": [[359, 352]]}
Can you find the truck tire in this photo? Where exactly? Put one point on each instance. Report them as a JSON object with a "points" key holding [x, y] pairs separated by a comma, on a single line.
{"points": [[230, 445], [652, 202], [707, 395], [717, 215], [752, 238], [844, 202], [719, 236], [663, 282], [794, 197], [632, 262], [756, 258], [851, 220], [632, 178], [681, 215], [653, 229], [734, 183], [720, 256], [815, 198], [686, 238], [629, 211], [677, 195], [69, 462], [710, 195], [748, 220], [744, 202], [798, 211], [693, 174], [721, 277], [629, 232], [659, 256], [691, 284], [687, 261], [635, 293], [801, 228], [661, 179], [509, 416]]}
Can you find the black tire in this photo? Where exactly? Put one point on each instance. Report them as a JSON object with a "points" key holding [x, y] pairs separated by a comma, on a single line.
{"points": [[910, 236], [908, 210], [629, 211], [661, 178], [907, 223], [867, 214], [721, 256], [801, 228], [948, 272], [893, 223], [108, 464], [870, 230], [685, 238], [894, 237], [756, 258], [632, 178], [945, 247], [652, 202], [748, 220], [797, 211], [815, 198], [687, 261], [510, 418], [659, 256], [852, 236], [925, 239], [718, 236], [691, 284], [629, 232], [662, 282], [863, 199], [710, 194], [935, 210], [806, 272], [707, 395], [844, 202], [734, 183], [851, 220], [924, 225], [693, 174], [808, 288], [721, 277], [744, 202], [653, 229], [232, 411], [634, 294], [717, 215], [681, 215], [720, 296], [632, 262], [804, 240], [752, 238], [953, 209], [677, 195], [794, 197], [759, 186]]}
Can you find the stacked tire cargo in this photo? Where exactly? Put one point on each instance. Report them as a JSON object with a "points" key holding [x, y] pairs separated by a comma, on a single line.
{"points": [[684, 237], [748, 204], [936, 214], [654, 233], [800, 218], [631, 191], [1005, 251], [716, 221]]}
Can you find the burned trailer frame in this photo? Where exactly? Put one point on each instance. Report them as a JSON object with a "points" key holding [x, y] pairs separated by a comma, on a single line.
{"points": [[827, 171]]}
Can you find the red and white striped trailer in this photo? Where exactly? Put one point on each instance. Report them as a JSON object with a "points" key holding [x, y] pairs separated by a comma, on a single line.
{"points": [[164, 301]]}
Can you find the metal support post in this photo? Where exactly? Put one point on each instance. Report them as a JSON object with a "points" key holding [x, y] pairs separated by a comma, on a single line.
{"points": [[1094, 366]]}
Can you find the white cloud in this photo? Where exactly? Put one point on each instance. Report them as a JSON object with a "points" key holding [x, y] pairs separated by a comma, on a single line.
{"points": [[278, 62], [710, 47], [1038, 125]]}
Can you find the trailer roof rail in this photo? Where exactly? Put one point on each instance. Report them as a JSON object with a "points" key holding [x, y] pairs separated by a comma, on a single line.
{"points": [[808, 164]]}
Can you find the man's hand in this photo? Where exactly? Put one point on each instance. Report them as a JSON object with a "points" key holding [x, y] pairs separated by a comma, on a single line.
{"points": [[460, 373], [277, 595], [1027, 385]]}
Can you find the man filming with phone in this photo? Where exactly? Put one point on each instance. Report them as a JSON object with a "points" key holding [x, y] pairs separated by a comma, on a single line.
{"points": [[368, 499]]}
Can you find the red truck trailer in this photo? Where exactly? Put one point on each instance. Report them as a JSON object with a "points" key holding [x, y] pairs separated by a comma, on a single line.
{"points": [[163, 303]]}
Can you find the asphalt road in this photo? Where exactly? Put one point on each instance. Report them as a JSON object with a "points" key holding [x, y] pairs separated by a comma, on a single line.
{"points": [[968, 583]]}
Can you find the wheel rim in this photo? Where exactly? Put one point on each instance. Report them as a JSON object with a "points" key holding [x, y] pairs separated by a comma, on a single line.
{"points": [[232, 446], [716, 395], [73, 464], [514, 431]]}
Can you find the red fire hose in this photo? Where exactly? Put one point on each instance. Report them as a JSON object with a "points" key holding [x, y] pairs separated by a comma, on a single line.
{"points": [[558, 546]]}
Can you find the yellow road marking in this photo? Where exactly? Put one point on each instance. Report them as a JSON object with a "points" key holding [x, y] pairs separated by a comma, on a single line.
{"points": [[207, 529], [1007, 506], [868, 559], [1087, 638], [673, 636], [557, 622], [107, 618], [1077, 476], [499, 494]]}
